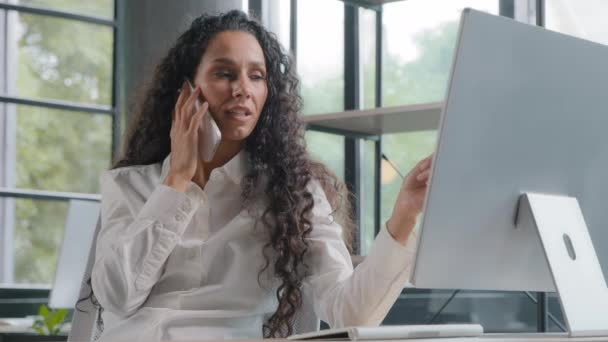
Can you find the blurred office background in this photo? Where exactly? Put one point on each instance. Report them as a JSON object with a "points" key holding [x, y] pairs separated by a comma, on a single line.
{"points": [[70, 71]]}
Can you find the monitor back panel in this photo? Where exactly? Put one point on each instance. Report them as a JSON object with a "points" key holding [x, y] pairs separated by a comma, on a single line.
{"points": [[526, 111]]}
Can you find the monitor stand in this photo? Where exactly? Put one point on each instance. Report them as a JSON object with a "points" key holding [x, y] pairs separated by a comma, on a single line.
{"points": [[572, 261]]}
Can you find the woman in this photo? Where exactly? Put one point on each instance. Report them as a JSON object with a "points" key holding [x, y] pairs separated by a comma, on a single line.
{"points": [[190, 249]]}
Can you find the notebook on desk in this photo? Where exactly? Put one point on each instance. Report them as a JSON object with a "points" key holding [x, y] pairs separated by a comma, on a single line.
{"points": [[393, 332]]}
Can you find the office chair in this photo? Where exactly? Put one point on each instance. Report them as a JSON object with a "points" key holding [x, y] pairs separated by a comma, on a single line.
{"points": [[84, 327]]}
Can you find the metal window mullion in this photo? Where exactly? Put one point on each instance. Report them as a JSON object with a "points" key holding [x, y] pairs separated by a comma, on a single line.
{"points": [[378, 144], [540, 13], [116, 117], [542, 312], [352, 146], [57, 14], [9, 145], [378, 187], [255, 8], [525, 11], [506, 8], [351, 57], [62, 105], [7, 212], [293, 30], [47, 195], [352, 178], [3, 147], [362, 5], [542, 307]]}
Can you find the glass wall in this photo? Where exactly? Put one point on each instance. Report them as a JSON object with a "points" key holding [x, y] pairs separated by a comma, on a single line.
{"points": [[60, 139], [584, 19], [320, 61], [419, 40]]}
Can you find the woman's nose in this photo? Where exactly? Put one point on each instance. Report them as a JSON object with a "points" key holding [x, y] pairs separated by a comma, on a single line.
{"points": [[241, 88]]}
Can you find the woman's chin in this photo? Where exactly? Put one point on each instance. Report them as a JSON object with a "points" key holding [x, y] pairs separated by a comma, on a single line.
{"points": [[236, 134]]}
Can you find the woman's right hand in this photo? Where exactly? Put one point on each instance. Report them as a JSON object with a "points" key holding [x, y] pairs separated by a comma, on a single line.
{"points": [[184, 138]]}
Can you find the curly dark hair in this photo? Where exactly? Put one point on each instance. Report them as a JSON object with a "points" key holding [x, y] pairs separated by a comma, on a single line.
{"points": [[276, 149]]}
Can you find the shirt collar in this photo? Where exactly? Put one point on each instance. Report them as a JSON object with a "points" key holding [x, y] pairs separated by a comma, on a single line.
{"points": [[236, 168]]}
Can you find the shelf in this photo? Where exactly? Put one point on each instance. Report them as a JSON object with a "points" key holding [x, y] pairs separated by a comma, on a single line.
{"points": [[376, 121]]}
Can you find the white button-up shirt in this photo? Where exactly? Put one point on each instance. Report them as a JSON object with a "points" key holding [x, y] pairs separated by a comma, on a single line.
{"points": [[176, 266]]}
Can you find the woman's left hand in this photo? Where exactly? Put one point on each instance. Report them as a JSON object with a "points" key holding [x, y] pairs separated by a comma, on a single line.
{"points": [[409, 201]]}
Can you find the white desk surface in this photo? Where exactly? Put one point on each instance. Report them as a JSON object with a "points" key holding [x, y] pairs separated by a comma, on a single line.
{"points": [[489, 338], [536, 338], [486, 338], [523, 337]]}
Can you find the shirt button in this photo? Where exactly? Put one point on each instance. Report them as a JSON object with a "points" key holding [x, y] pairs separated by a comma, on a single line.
{"points": [[192, 254], [187, 206], [179, 217]]}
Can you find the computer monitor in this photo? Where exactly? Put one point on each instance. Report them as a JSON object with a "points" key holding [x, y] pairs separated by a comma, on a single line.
{"points": [[74, 252], [526, 111]]}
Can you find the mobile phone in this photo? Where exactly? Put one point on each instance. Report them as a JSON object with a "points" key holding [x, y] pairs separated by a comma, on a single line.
{"points": [[209, 133]]}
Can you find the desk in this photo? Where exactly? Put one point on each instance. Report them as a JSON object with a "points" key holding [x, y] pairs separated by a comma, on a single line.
{"points": [[533, 338], [30, 337], [489, 338], [27, 334]]}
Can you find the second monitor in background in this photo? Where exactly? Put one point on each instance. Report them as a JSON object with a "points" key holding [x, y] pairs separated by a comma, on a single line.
{"points": [[74, 252]]}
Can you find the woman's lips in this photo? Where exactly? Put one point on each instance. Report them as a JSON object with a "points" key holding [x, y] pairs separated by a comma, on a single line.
{"points": [[238, 115]]}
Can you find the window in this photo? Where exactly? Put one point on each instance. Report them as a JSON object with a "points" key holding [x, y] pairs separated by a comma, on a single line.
{"points": [[96, 8], [55, 63], [367, 100], [497, 312], [276, 17], [61, 150], [367, 58], [403, 151], [57, 122], [327, 148], [320, 60], [37, 239], [320, 55], [420, 38], [583, 19]]}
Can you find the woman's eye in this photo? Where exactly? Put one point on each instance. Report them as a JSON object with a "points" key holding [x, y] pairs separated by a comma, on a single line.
{"points": [[223, 74], [258, 77]]}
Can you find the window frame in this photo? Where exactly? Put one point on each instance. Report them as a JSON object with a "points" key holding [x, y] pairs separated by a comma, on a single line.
{"points": [[6, 145]]}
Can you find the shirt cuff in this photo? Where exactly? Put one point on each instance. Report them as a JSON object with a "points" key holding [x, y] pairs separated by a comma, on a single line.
{"points": [[171, 208], [390, 257], [195, 193]]}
